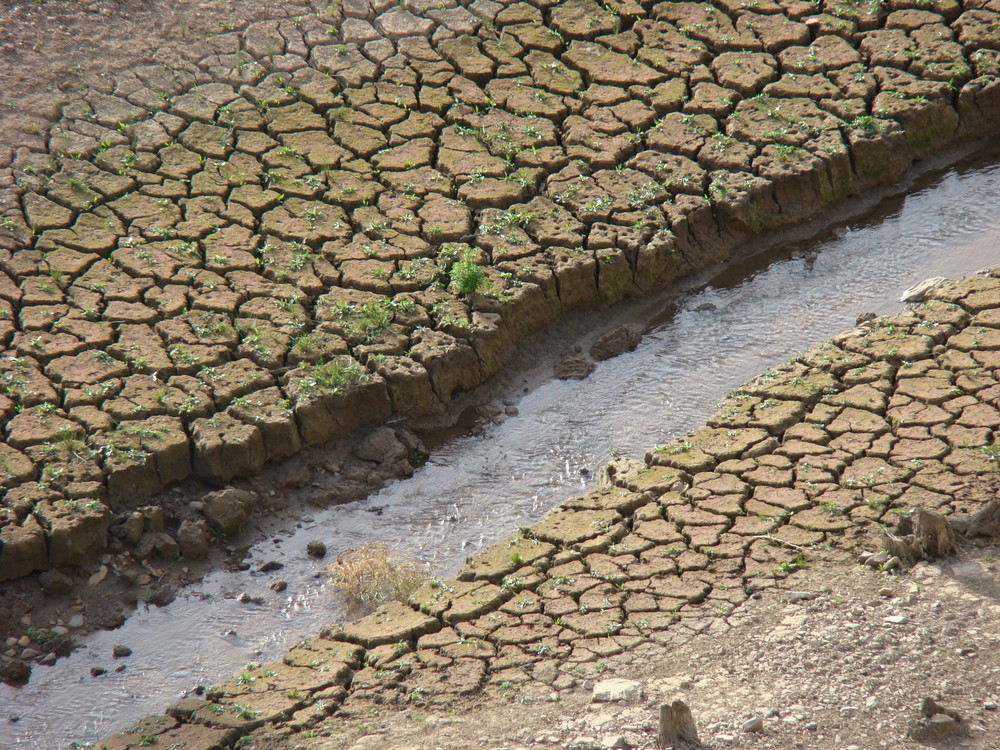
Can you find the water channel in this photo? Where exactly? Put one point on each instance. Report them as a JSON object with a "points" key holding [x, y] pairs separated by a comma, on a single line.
{"points": [[477, 488]]}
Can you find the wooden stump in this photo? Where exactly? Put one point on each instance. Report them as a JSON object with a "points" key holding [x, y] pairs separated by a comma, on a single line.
{"points": [[677, 727]]}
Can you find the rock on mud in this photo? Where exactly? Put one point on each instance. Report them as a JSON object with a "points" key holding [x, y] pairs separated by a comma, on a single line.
{"points": [[316, 549], [227, 510], [194, 537], [573, 368], [918, 292], [622, 339], [617, 689]]}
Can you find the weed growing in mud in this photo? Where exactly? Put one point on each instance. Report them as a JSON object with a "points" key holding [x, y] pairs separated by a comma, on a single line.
{"points": [[330, 377], [466, 275], [373, 574]]}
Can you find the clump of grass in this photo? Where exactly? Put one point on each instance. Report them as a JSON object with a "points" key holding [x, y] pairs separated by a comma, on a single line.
{"points": [[373, 574], [466, 275]]}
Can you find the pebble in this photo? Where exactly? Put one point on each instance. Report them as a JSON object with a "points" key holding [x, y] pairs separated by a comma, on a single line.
{"points": [[896, 620], [316, 549], [613, 742], [121, 651], [887, 592], [76, 621], [97, 671], [269, 566], [60, 630], [278, 585], [812, 726], [753, 725], [617, 689], [990, 706]]}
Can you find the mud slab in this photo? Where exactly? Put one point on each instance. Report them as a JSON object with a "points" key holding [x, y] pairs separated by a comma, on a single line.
{"points": [[803, 465], [283, 234]]}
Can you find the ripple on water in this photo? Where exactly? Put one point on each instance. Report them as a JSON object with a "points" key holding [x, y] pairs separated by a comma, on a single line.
{"points": [[474, 490]]}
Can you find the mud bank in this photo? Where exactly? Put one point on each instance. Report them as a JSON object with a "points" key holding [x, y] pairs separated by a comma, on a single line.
{"points": [[313, 225]]}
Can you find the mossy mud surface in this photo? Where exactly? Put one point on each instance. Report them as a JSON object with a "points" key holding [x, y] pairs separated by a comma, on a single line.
{"points": [[811, 459], [315, 224]]}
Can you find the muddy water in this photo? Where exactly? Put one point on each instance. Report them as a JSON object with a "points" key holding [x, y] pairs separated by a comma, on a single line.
{"points": [[700, 344]]}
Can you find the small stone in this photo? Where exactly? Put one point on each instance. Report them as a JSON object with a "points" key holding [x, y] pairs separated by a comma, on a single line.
{"points": [[849, 711], [24, 641], [316, 549], [99, 576], [896, 620], [812, 726], [121, 651], [892, 563], [97, 671], [269, 566], [76, 621], [886, 593], [60, 630], [573, 368], [55, 583], [613, 742], [990, 705], [48, 660], [278, 585], [622, 339], [753, 725], [243, 598], [617, 689], [878, 560], [918, 292]]}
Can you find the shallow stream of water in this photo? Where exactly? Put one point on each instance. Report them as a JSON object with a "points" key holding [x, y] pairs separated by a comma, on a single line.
{"points": [[476, 489]]}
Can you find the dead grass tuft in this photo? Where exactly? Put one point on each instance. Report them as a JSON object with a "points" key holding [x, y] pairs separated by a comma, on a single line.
{"points": [[373, 574]]}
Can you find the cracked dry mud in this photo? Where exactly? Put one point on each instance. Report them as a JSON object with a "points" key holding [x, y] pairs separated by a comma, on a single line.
{"points": [[259, 243], [801, 467]]}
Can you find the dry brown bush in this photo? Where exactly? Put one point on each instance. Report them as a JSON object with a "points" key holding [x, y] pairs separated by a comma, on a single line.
{"points": [[373, 574]]}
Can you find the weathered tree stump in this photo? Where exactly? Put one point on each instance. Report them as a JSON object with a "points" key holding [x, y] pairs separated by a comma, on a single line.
{"points": [[677, 727]]}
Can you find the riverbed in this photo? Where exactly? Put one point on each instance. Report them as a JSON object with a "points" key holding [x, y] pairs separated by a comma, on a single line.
{"points": [[476, 488]]}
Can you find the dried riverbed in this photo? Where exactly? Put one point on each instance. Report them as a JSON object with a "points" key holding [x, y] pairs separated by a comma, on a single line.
{"points": [[476, 488]]}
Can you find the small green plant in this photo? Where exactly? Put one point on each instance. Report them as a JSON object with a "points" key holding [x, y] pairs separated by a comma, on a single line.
{"points": [[799, 563], [466, 275], [40, 637], [330, 377]]}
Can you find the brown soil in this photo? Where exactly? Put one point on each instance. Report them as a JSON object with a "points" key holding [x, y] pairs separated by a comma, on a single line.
{"points": [[815, 658]]}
